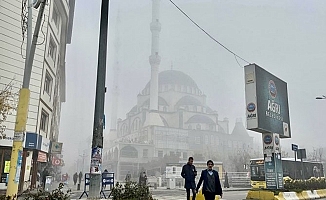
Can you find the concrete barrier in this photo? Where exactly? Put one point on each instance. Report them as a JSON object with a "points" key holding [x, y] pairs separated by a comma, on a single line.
{"points": [[304, 195]]}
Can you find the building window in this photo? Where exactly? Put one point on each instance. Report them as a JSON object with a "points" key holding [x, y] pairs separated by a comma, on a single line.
{"points": [[52, 49], [48, 83], [44, 121], [198, 127], [160, 154], [55, 16], [195, 108], [189, 127], [165, 109], [185, 155], [145, 153]]}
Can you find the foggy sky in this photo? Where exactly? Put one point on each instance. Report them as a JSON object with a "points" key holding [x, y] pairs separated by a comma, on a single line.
{"points": [[287, 38]]}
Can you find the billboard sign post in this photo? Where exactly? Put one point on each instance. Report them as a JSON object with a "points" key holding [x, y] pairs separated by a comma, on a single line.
{"points": [[267, 102], [267, 112]]}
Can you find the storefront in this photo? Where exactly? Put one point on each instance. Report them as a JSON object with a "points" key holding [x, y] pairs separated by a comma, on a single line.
{"points": [[35, 156]]}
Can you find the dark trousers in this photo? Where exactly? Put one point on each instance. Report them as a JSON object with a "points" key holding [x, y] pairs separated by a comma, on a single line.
{"points": [[209, 196], [193, 194]]}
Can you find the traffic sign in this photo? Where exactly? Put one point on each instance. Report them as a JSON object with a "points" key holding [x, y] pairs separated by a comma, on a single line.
{"points": [[294, 147]]}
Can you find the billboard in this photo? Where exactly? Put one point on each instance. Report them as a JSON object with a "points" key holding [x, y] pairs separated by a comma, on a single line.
{"points": [[267, 105]]}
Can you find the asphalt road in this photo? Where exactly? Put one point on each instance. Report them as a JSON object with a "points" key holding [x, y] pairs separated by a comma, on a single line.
{"points": [[177, 194]]}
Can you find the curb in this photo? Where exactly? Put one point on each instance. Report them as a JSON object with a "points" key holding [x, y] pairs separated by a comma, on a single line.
{"points": [[307, 194]]}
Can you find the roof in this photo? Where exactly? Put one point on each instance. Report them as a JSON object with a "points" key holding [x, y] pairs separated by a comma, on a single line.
{"points": [[200, 119], [239, 129], [188, 100], [175, 78]]}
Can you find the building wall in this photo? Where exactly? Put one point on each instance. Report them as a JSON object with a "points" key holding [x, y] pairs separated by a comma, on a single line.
{"points": [[11, 61], [47, 78]]}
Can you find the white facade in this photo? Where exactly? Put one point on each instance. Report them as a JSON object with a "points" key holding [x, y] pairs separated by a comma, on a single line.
{"points": [[47, 83]]}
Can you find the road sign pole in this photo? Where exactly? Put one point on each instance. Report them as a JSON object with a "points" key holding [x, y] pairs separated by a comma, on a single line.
{"points": [[295, 165]]}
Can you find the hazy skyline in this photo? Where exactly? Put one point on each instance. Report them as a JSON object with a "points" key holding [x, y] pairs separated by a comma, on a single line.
{"points": [[287, 38]]}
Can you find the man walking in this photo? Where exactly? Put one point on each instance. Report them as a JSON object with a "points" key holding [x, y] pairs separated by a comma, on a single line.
{"points": [[189, 173], [212, 185]]}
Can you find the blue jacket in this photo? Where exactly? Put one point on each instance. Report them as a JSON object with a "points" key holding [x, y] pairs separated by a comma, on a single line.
{"points": [[203, 177]]}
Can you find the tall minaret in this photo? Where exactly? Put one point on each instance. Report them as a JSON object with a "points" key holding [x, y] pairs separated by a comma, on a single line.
{"points": [[154, 61], [154, 58], [116, 72]]}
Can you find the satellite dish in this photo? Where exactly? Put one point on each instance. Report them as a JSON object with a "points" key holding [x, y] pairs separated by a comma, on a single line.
{"points": [[36, 3]]}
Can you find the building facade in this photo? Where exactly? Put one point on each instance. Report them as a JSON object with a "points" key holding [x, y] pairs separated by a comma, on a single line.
{"points": [[47, 83]]}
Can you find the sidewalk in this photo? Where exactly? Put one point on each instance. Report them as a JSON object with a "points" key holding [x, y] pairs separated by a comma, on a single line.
{"points": [[179, 188]]}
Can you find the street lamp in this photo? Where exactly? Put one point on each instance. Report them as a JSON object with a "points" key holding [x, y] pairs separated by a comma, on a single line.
{"points": [[321, 97]]}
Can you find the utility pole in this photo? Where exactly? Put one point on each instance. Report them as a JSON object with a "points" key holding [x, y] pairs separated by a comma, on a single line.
{"points": [[97, 142], [22, 112]]}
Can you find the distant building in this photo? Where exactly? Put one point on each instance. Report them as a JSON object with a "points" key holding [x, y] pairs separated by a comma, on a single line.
{"points": [[47, 84], [189, 125]]}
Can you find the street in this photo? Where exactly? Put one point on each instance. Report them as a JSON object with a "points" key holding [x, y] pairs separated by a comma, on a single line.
{"points": [[176, 194]]}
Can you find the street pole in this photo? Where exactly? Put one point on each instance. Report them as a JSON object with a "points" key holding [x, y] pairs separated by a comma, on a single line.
{"points": [[22, 112], [295, 165], [97, 142]]}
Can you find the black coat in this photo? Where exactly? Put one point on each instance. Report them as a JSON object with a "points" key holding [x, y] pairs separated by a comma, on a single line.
{"points": [[203, 177], [189, 173]]}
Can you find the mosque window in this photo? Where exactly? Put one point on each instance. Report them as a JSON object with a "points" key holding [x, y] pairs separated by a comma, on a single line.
{"points": [[206, 139], [211, 127], [185, 155], [184, 89], [166, 87], [204, 110], [160, 154], [189, 127], [195, 108], [198, 127], [165, 109], [186, 108], [197, 140], [188, 89]]}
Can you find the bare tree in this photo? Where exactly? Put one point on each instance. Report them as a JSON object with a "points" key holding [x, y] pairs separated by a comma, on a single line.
{"points": [[8, 100]]}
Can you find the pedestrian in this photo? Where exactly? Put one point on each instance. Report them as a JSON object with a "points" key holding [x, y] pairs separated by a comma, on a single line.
{"points": [[142, 179], [226, 181], [80, 176], [128, 177], [212, 185], [75, 177], [189, 173]]}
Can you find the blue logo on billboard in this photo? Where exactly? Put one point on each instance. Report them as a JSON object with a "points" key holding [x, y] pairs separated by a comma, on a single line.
{"points": [[272, 89], [277, 140], [268, 139], [251, 107]]}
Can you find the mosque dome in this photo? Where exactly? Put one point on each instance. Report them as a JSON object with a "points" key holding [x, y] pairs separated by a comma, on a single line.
{"points": [[200, 119], [174, 77]]}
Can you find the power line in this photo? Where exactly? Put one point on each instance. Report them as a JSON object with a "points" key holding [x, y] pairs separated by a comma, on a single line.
{"points": [[185, 14]]}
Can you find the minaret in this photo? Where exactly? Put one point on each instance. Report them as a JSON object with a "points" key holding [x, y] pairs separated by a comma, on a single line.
{"points": [[154, 61], [116, 72], [154, 58]]}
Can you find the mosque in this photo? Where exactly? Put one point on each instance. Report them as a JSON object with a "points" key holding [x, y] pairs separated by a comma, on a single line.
{"points": [[171, 117]]}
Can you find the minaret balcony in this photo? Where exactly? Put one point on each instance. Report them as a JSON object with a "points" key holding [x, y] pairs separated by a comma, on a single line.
{"points": [[154, 60], [155, 26]]}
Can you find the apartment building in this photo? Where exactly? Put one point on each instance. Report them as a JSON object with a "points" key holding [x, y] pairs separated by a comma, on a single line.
{"points": [[47, 83]]}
